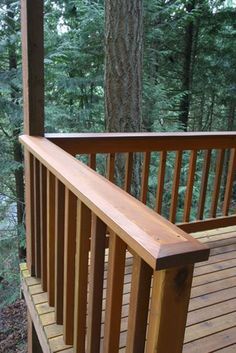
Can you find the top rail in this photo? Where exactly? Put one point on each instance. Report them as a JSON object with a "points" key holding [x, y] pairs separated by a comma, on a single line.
{"points": [[160, 243], [76, 143]]}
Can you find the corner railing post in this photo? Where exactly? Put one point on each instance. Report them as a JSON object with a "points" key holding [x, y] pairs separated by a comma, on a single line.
{"points": [[169, 307]]}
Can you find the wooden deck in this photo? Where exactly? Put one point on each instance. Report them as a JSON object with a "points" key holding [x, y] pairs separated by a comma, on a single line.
{"points": [[211, 324]]}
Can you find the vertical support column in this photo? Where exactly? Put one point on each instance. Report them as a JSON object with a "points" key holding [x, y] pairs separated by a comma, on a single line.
{"points": [[33, 66], [33, 89]]}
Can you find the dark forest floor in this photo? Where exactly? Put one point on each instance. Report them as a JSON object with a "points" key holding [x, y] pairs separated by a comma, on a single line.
{"points": [[13, 328]]}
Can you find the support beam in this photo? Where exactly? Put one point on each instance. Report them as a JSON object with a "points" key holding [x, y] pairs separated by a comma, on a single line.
{"points": [[33, 66], [33, 90]]}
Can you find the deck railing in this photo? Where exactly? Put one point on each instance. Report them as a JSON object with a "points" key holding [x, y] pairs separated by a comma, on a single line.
{"points": [[193, 173], [71, 214]]}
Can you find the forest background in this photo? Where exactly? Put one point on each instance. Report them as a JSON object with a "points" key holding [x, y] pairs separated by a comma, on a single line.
{"points": [[188, 84]]}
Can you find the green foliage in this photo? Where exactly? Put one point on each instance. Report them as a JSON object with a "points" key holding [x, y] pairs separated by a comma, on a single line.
{"points": [[9, 268]]}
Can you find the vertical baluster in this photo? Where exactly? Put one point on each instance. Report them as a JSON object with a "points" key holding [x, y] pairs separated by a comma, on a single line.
{"points": [[145, 176], [69, 265], [81, 275], [96, 273], [168, 312], [216, 188], [29, 200], [43, 227], [161, 180], [37, 218], [111, 167], [115, 281], [59, 250], [175, 187], [128, 171], [92, 161], [138, 307], [204, 181], [51, 237], [229, 182], [190, 182]]}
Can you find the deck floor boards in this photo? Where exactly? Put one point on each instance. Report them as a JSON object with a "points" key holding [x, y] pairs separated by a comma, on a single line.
{"points": [[211, 322]]}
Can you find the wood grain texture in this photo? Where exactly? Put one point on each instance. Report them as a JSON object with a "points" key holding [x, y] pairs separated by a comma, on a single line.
{"points": [[229, 182], [189, 189], [217, 182], [37, 218], [33, 66], [81, 275], [59, 249], [69, 265], [204, 180], [128, 172], [160, 243], [211, 317], [142, 142], [51, 223], [29, 216], [160, 181], [96, 273], [175, 186], [168, 311], [145, 175], [139, 305], [43, 225], [116, 268], [210, 223], [111, 167]]}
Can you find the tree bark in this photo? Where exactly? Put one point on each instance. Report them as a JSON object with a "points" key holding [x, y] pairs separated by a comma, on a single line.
{"points": [[123, 65], [123, 75]]}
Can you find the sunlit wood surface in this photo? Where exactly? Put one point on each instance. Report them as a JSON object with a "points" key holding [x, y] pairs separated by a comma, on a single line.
{"points": [[211, 324]]}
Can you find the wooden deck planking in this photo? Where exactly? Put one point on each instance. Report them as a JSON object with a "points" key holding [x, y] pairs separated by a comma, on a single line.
{"points": [[211, 323]]}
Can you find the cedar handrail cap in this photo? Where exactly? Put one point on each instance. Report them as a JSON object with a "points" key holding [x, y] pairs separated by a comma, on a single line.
{"points": [[157, 241], [141, 134], [79, 143]]}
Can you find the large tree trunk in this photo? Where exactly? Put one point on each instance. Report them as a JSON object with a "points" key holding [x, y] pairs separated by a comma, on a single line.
{"points": [[187, 68], [123, 74], [123, 65]]}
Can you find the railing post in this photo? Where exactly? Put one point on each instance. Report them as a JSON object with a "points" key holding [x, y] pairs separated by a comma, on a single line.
{"points": [[168, 311]]}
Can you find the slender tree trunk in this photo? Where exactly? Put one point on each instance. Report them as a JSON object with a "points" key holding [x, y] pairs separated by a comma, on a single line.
{"points": [[187, 68], [230, 127], [123, 65], [201, 115], [17, 152]]}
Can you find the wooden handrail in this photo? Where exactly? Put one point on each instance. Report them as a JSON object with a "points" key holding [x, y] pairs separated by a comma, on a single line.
{"points": [[157, 241], [76, 143], [210, 154]]}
